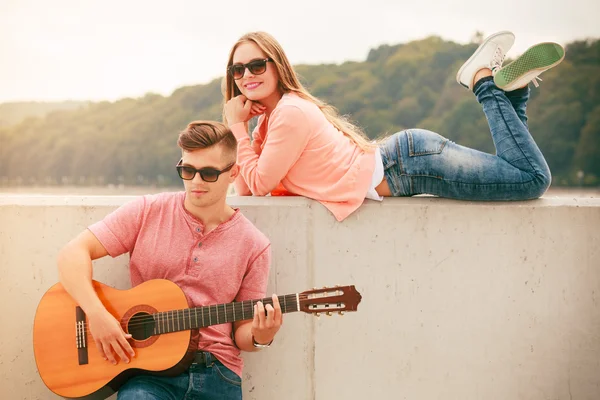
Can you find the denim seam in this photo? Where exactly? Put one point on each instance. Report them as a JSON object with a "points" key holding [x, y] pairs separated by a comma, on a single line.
{"points": [[424, 176], [190, 389], [399, 156], [401, 166], [387, 165]]}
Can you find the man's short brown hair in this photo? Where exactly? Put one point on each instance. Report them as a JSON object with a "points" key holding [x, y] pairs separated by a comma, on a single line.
{"points": [[205, 134]]}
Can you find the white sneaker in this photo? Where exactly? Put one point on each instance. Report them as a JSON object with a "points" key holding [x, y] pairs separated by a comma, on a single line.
{"points": [[490, 54]]}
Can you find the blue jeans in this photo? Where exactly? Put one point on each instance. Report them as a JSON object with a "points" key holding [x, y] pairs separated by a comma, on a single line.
{"points": [[207, 380], [418, 161]]}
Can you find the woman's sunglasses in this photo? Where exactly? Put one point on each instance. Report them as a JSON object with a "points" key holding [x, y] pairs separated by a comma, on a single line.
{"points": [[256, 67], [207, 174]]}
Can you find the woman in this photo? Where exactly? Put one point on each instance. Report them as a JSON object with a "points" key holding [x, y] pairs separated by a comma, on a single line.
{"points": [[307, 147]]}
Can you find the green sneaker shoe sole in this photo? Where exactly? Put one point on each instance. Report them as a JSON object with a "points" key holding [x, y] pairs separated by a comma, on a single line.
{"points": [[531, 63]]}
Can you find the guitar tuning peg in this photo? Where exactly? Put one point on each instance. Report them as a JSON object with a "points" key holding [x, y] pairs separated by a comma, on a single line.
{"points": [[341, 313], [317, 315], [315, 288], [328, 313]]}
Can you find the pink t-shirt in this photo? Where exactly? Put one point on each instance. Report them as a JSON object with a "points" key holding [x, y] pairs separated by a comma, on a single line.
{"points": [[165, 241]]}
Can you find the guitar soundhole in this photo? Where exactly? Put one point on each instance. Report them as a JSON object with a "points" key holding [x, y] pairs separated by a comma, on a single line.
{"points": [[141, 326]]}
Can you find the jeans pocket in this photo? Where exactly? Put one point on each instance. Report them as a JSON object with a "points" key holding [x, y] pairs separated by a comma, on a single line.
{"points": [[422, 142], [227, 375]]}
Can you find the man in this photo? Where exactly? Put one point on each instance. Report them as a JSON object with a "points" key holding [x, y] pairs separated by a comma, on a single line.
{"points": [[196, 240]]}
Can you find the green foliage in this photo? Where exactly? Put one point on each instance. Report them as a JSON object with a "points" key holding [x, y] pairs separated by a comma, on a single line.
{"points": [[396, 87]]}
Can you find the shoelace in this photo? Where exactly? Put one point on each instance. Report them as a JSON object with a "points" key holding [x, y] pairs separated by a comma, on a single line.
{"points": [[535, 81], [497, 60]]}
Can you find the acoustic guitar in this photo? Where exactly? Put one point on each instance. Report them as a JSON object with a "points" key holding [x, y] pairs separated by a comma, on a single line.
{"points": [[164, 329]]}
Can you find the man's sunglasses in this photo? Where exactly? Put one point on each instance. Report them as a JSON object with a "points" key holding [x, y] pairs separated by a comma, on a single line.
{"points": [[256, 67], [207, 174]]}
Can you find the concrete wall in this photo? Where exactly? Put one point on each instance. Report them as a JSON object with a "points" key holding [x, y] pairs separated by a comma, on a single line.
{"points": [[460, 300]]}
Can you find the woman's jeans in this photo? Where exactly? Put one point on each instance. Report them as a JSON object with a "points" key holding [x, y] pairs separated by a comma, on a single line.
{"points": [[419, 161]]}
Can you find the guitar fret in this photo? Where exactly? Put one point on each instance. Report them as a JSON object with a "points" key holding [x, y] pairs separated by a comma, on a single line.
{"points": [[190, 318], [202, 311], [284, 304], [196, 316]]}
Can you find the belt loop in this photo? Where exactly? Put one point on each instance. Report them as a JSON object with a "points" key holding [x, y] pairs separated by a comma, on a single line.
{"points": [[204, 358]]}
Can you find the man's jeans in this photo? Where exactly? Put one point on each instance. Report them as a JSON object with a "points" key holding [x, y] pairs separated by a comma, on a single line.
{"points": [[206, 380]]}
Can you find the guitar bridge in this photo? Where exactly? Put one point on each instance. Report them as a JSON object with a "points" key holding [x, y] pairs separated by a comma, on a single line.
{"points": [[81, 336]]}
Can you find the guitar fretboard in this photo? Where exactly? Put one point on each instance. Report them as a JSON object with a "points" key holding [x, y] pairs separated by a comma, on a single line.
{"points": [[200, 317]]}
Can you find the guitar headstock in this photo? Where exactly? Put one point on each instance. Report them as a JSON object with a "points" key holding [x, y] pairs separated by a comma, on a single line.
{"points": [[328, 300]]}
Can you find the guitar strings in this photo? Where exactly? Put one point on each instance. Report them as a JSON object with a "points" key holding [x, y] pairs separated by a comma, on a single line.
{"points": [[247, 307]]}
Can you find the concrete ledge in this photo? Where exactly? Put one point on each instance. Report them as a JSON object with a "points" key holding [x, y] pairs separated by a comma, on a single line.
{"points": [[461, 300]]}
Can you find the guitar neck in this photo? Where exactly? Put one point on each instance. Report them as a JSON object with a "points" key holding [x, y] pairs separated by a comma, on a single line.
{"points": [[201, 317]]}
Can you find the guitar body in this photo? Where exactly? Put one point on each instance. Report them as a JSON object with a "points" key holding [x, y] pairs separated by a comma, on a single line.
{"points": [[164, 329], [66, 355]]}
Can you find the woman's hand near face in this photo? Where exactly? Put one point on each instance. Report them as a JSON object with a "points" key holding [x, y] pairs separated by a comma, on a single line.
{"points": [[240, 109]]}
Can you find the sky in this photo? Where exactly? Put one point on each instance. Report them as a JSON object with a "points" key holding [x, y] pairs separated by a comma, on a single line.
{"points": [[55, 50]]}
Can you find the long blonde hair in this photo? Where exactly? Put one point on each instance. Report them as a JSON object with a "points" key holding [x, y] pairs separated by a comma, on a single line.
{"points": [[289, 82]]}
